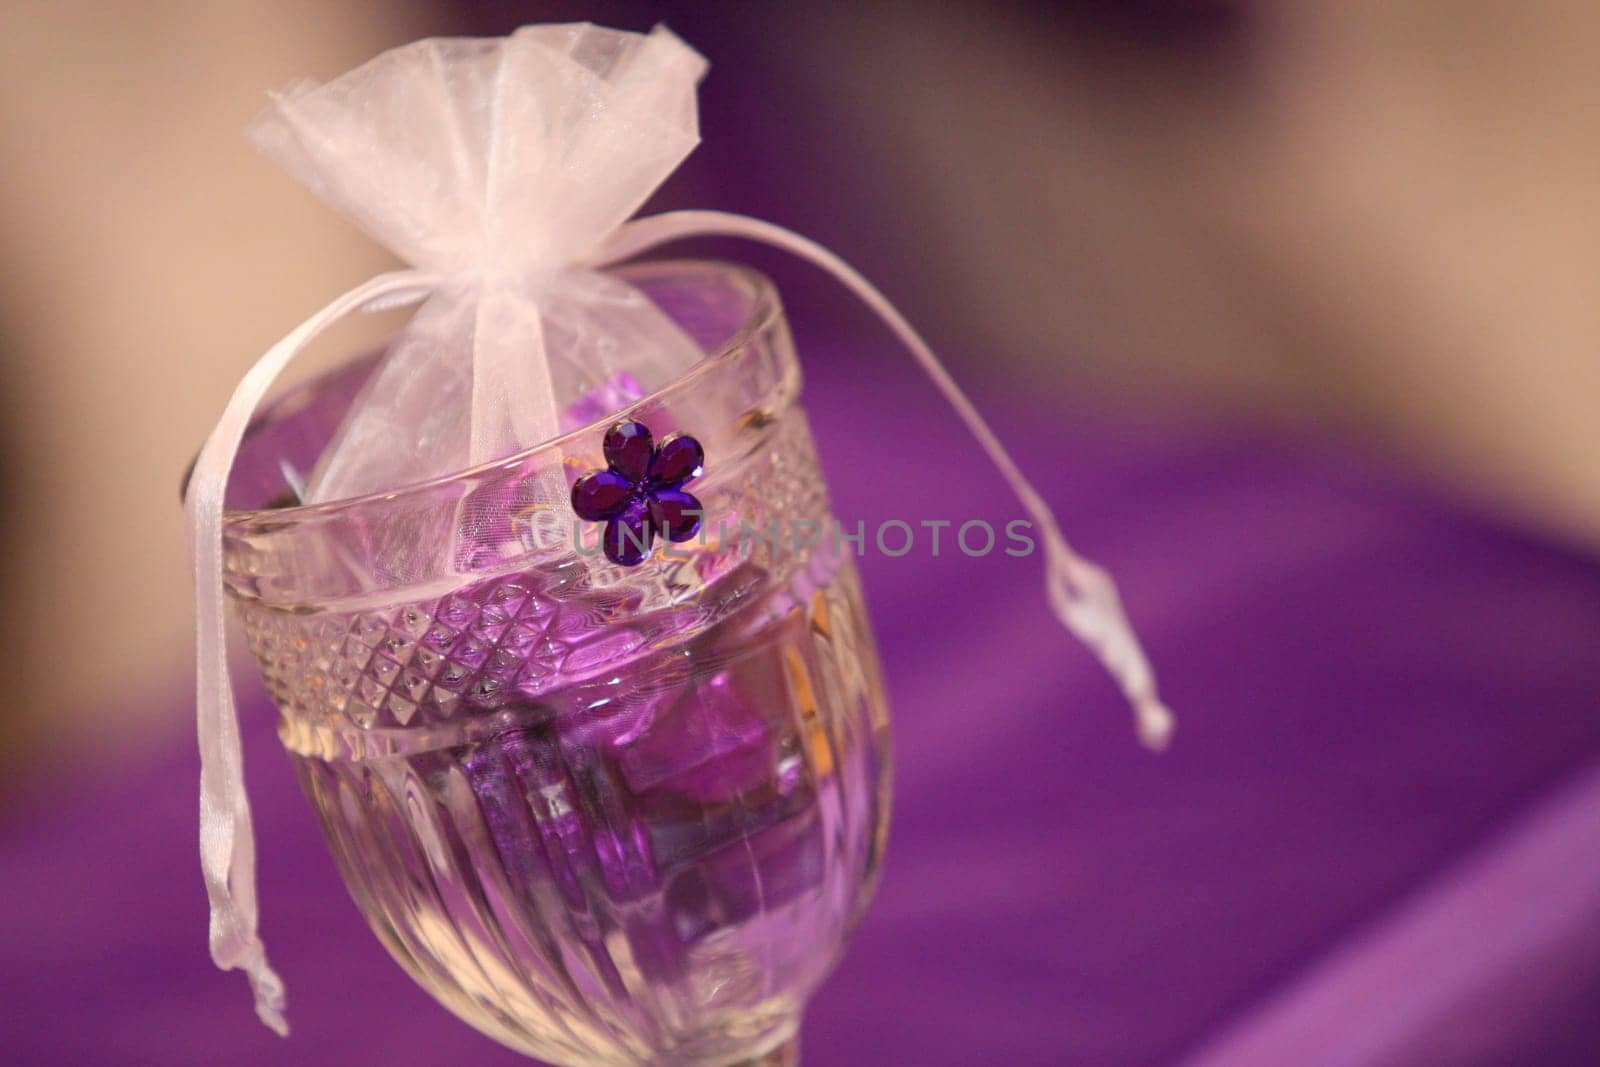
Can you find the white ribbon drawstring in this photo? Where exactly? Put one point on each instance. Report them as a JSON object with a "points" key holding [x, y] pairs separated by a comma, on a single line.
{"points": [[227, 843], [1081, 594]]}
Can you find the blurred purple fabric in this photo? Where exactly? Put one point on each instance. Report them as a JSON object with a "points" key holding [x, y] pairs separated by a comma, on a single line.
{"points": [[1386, 765]]}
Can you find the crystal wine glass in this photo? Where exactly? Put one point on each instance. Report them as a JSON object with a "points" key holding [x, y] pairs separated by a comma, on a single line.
{"points": [[605, 814]]}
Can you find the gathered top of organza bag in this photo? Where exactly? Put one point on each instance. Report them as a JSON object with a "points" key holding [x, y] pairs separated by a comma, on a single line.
{"points": [[505, 172]]}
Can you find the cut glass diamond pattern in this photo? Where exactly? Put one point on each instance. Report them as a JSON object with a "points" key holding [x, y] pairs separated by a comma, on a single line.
{"points": [[514, 637]]}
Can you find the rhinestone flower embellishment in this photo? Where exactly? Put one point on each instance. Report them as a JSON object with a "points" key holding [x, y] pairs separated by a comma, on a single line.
{"points": [[639, 496]]}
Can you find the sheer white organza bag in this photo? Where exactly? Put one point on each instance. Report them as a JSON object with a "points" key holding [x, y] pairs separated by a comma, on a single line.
{"points": [[505, 173], [493, 165]]}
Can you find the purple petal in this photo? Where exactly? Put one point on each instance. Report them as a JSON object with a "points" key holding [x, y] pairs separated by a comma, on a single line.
{"points": [[628, 449], [679, 459], [629, 536], [600, 495], [676, 514]]}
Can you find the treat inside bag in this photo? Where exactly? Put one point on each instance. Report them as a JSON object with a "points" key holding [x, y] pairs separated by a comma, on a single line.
{"points": [[495, 164]]}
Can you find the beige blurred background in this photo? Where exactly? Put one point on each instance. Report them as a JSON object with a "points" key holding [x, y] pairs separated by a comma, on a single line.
{"points": [[1383, 216], [1378, 221], [150, 253]]}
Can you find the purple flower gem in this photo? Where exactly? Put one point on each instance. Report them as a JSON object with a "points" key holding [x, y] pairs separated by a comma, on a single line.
{"points": [[639, 496]]}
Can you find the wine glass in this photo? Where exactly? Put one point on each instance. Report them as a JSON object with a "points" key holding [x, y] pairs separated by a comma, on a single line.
{"points": [[606, 814]]}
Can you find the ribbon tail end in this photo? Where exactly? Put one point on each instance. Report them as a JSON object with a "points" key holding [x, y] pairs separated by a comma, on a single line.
{"points": [[1155, 724], [271, 1003]]}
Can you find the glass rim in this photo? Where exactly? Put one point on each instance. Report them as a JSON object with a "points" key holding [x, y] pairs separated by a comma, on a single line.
{"points": [[764, 308]]}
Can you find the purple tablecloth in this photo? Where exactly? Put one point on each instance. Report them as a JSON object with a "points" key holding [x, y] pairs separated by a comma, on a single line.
{"points": [[1387, 751]]}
